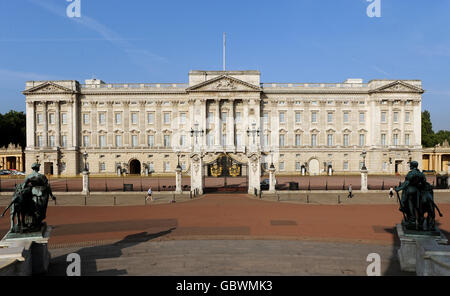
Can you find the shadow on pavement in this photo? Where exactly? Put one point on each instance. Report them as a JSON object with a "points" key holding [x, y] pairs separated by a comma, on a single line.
{"points": [[90, 255]]}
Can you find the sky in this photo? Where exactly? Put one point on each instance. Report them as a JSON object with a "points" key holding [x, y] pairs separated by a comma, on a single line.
{"points": [[327, 41]]}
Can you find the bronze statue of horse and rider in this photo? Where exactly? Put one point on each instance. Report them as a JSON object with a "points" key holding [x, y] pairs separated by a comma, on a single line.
{"points": [[29, 202], [417, 201]]}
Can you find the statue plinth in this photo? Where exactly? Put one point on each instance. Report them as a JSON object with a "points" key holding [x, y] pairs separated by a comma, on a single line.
{"points": [[408, 240], [27, 253], [364, 187], [85, 182]]}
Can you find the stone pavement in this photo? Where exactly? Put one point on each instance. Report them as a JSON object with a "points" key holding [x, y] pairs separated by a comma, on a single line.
{"points": [[139, 255]]}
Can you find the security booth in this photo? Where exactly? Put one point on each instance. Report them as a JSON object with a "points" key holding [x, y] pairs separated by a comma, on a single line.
{"points": [[442, 181]]}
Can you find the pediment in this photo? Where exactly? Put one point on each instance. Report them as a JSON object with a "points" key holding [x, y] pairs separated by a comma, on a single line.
{"points": [[223, 83], [398, 87], [49, 88]]}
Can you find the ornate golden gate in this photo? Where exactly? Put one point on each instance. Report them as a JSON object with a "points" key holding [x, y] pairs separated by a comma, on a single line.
{"points": [[225, 174]]}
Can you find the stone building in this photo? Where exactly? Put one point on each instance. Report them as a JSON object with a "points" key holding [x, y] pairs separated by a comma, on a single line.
{"points": [[143, 127], [437, 158], [12, 158]]}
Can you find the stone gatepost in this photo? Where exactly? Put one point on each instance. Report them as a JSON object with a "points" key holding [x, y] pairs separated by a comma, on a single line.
{"points": [[272, 180], [85, 182], [364, 180], [178, 179], [197, 174], [254, 173]]}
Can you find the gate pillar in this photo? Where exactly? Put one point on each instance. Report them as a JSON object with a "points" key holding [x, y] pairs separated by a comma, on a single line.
{"points": [[254, 173], [197, 173]]}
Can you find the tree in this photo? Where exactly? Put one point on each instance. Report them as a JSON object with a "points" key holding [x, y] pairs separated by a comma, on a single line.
{"points": [[13, 128], [428, 137]]}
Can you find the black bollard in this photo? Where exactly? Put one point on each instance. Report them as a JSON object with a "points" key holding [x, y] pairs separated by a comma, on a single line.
{"points": [[114, 200], [339, 199], [85, 201], [307, 199]]}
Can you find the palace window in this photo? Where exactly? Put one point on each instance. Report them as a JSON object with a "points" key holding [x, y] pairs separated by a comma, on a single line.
{"points": [[298, 140], [210, 139], [314, 140], [182, 118], [151, 140], [407, 114], [383, 116], [52, 141], [102, 167], [51, 118], [39, 118], [118, 141], [346, 140], [118, 118], [395, 117], [134, 141], [362, 117], [330, 140], [85, 118], [238, 140], [313, 117], [383, 139], [102, 140], [167, 141], [362, 140], [150, 118], [298, 166], [166, 118], [298, 117], [64, 141], [330, 117], [407, 139], [86, 141], [134, 118], [182, 140], [101, 118], [282, 119], [64, 118], [345, 165], [395, 139], [281, 142], [346, 117], [281, 166], [224, 139], [266, 117], [167, 166]]}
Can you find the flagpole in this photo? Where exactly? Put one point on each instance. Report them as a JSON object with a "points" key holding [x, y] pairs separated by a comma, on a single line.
{"points": [[224, 51]]}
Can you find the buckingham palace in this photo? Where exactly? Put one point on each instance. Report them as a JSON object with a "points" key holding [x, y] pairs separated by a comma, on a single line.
{"points": [[151, 128]]}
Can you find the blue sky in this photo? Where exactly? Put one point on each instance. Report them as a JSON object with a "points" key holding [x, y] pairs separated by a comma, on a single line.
{"points": [[288, 41]]}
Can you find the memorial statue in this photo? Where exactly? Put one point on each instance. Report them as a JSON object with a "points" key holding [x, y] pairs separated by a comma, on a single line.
{"points": [[417, 200], [29, 202]]}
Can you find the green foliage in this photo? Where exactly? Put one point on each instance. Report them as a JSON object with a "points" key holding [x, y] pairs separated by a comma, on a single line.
{"points": [[13, 128], [429, 137]]}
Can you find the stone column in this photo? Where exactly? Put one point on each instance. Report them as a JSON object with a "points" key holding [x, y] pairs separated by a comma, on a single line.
{"points": [[254, 173], [45, 116], [75, 122], [196, 174], [272, 180], [126, 124], [31, 125], [58, 123], [158, 134], [142, 117], [109, 126], [364, 187], [217, 125], [178, 180], [231, 136]]}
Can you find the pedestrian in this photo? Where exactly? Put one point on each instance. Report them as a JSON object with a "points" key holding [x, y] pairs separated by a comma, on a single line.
{"points": [[391, 193], [350, 191], [149, 194]]}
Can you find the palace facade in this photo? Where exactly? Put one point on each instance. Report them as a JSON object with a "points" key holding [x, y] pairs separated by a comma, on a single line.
{"points": [[144, 128]]}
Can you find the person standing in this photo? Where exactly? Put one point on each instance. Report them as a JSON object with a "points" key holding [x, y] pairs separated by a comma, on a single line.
{"points": [[391, 193], [149, 194], [350, 191]]}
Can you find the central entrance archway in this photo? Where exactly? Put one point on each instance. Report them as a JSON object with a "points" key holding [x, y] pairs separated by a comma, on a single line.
{"points": [[225, 174], [135, 167], [314, 167]]}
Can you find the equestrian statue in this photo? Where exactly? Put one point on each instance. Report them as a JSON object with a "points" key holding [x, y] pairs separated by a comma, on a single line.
{"points": [[29, 202], [417, 200]]}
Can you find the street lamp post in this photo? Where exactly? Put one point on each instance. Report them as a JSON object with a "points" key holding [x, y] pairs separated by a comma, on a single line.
{"points": [[254, 132], [85, 156], [196, 132], [85, 175], [364, 181]]}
